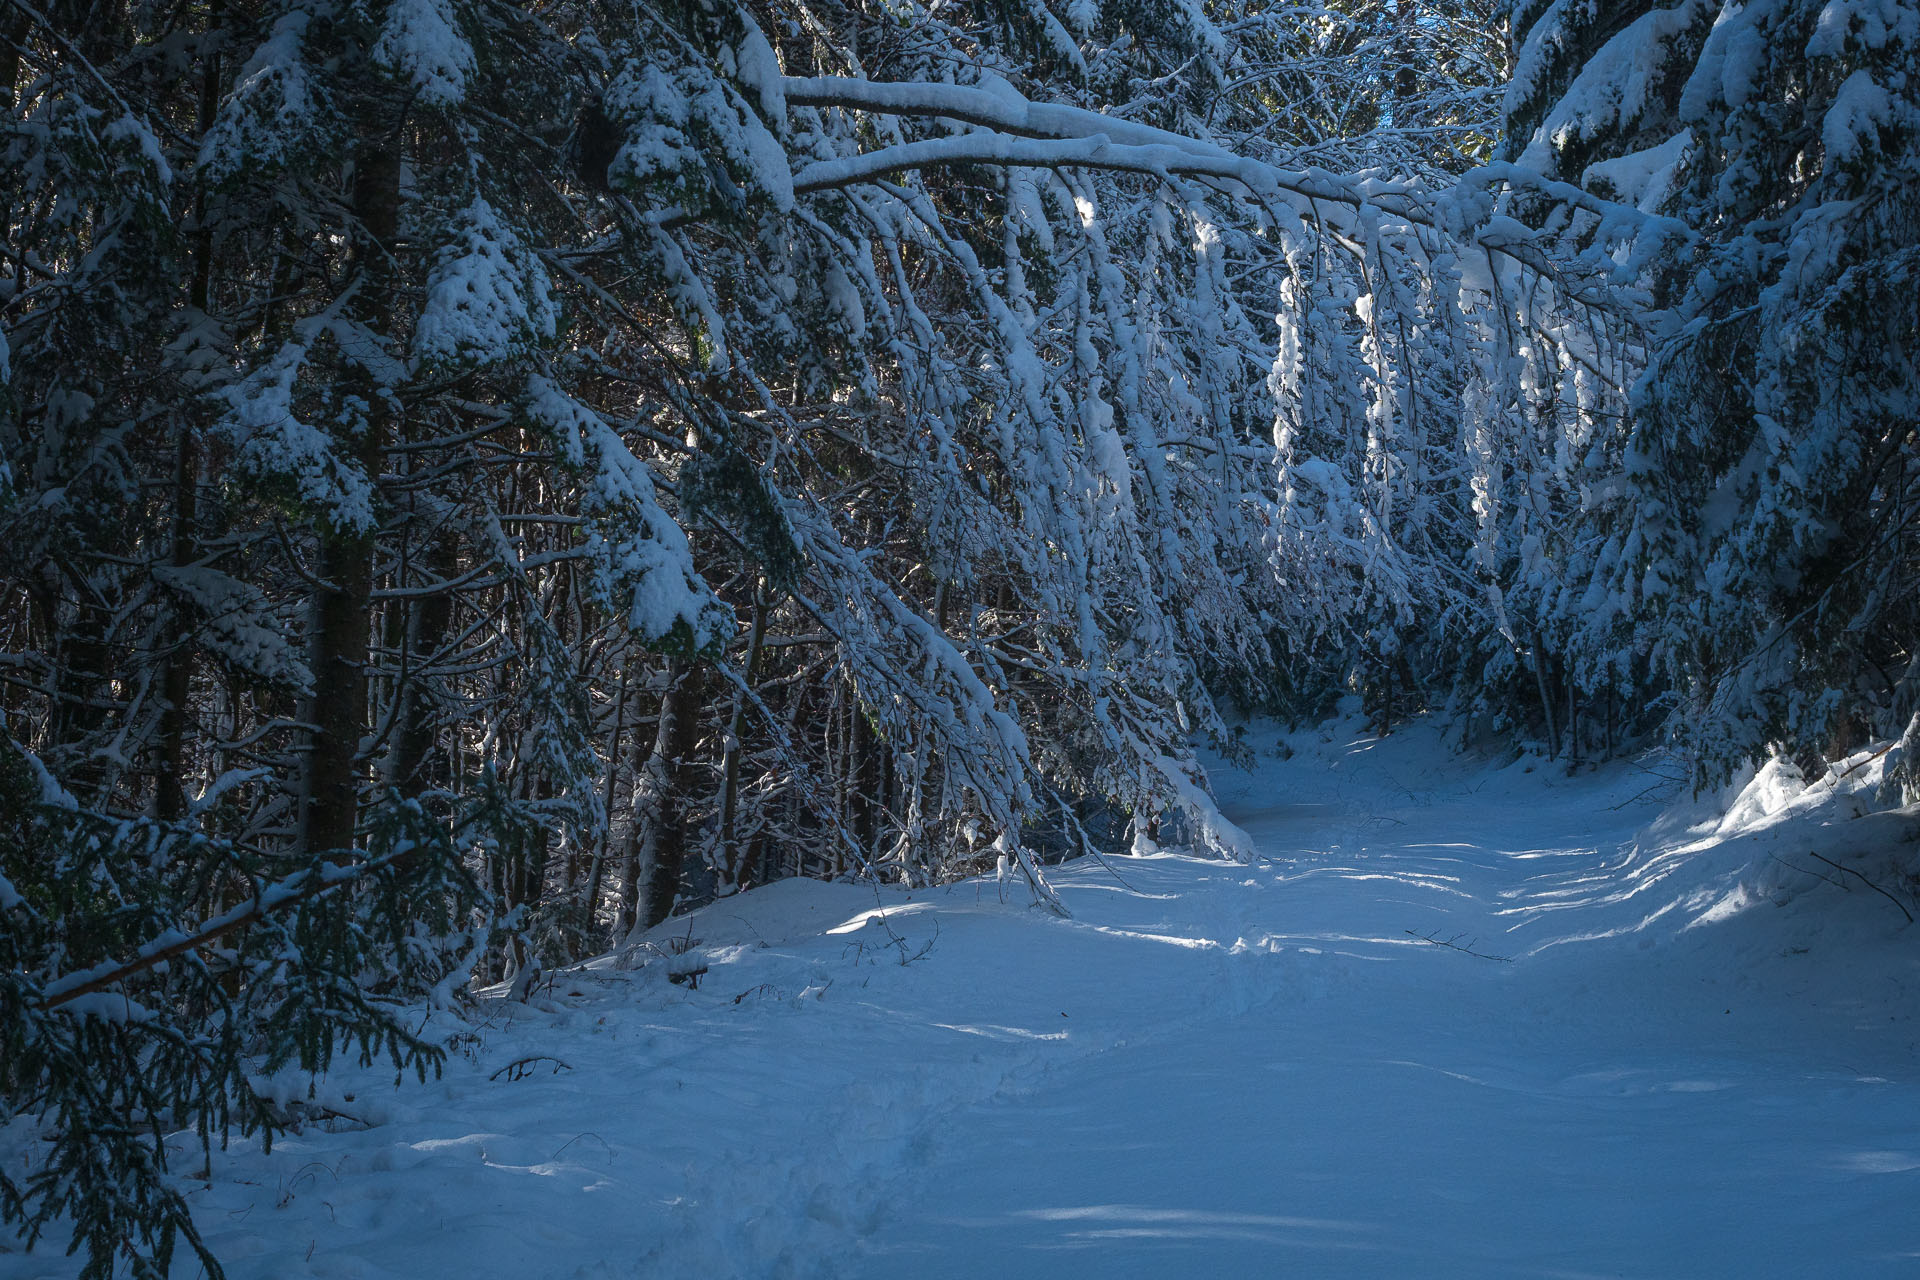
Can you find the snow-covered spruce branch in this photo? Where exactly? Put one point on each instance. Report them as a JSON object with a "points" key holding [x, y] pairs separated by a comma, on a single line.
{"points": [[1005, 110], [1037, 134], [267, 900], [1096, 150]]}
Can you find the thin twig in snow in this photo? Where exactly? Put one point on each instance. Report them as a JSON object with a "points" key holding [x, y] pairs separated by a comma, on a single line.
{"points": [[1454, 944], [1870, 884]]}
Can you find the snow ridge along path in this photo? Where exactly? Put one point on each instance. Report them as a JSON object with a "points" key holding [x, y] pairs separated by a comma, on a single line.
{"points": [[1458, 1020]]}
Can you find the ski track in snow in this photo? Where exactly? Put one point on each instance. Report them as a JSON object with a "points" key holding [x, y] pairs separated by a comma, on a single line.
{"points": [[1656, 1046]]}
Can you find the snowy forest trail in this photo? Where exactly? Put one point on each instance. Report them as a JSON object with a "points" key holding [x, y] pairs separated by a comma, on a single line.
{"points": [[1458, 1020], [1481, 1041]]}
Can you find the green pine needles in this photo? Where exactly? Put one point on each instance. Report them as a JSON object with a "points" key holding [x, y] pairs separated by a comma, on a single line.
{"points": [[152, 978]]}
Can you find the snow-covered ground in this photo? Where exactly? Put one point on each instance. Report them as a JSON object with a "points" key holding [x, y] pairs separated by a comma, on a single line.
{"points": [[1460, 1020]]}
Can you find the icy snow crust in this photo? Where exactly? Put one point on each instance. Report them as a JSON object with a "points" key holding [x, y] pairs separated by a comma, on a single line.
{"points": [[1659, 1045]]}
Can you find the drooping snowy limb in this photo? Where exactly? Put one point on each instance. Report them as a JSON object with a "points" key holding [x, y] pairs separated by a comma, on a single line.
{"points": [[913, 674], [1135, 146], [1395, 233], [1116, 143], [1099, 150], [1100, 697], [642, 564], [1004, 109]]}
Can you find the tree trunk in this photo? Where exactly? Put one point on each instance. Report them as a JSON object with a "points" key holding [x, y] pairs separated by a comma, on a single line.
{"points": [[176, 679], [1573, 723], [657, 840], [13, 29], [81, 661], [1546, 699], [735, 864], [411, 764], [839, 736], [616, 743], [342, 614], [863, 778]]}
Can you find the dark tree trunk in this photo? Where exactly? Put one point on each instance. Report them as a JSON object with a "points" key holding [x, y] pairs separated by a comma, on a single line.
{"points": [[413, 764], [734, 862], [342, 614], [863, 784], [176, 679], [616, 744], [657, 840], [81, 662], [1546, 698]]}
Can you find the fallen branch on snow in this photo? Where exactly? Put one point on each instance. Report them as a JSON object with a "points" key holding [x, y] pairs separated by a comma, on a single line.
{"points": [[521, 1068], [1454, 944], [1869, 883]]}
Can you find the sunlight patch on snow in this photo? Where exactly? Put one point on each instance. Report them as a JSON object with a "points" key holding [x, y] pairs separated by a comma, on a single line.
{"points": [[1202, 1217], [1529, 855], [1729, 906], [545, 1170], [1764, 800], [1413, 881], [1257, 1235], [1650, 876], [992, 1032], [1123, 890], [1880, 1162], [879, 914], [1191, 944], [1598, 935], [1452, 1075], [1275, 942], [442, 1144], [1428, 877], [1574, 888]]}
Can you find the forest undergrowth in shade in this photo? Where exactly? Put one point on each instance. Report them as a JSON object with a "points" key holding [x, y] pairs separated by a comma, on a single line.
{"points": [[476, 477]]}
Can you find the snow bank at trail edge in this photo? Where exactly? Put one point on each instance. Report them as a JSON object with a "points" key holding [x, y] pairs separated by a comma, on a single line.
{"points": [[799, 1101]]}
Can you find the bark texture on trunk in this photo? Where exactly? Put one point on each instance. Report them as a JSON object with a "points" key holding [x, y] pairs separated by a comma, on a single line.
{"points": [[657, 839], [342, 609]]}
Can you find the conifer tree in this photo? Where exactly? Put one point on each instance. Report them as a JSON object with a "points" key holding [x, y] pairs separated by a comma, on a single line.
{"points": [[1761, 565]]}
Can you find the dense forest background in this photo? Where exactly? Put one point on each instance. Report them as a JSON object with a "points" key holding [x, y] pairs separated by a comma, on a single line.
{"points": [[476, 475]]}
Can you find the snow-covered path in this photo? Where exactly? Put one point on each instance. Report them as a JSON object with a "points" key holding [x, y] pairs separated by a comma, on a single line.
{"points": [[1373, 1104], [1675, 1053]]}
